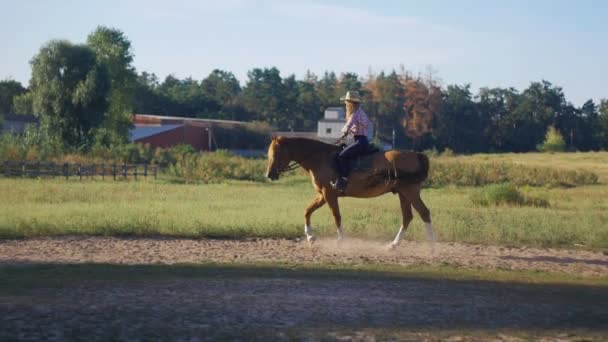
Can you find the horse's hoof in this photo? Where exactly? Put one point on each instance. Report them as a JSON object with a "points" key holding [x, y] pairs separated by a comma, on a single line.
{"points": [[391, 246], [311, 240]]}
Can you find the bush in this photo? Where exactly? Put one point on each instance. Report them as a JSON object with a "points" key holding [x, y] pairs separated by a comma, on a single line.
{"points": [[504, 194], [35, 144], [216, 167], [449, 171], [554, 141]]}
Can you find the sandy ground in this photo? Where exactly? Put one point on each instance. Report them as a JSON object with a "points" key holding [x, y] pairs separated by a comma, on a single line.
{"points": [[133, 251], [277, 308]]}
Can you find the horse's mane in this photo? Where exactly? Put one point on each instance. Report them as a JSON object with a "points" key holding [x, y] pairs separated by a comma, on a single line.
{"points": [[309, 143]]}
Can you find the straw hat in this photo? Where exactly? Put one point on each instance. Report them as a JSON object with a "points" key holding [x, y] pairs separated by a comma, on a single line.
{"points": [[352, 96]]}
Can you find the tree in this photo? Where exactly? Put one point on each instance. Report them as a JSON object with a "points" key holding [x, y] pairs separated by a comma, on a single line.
{"points": [[422, 103], [293, 115], [222, 88], [540, 106], [69, 91], [589, 134], [495, 105], [458, 125], [113, 52], [309, 103], [603, 124], [389, 99], [263, 96], [349, 82], [8, 90], [327, 88]]}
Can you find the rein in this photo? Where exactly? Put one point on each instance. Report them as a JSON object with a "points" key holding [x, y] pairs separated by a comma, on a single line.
{"points": [[294, 165]]}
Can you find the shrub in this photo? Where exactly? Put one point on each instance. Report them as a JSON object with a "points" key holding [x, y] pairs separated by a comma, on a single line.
{"points": [[504, 194], [450, 171], [554, 141], [216, 167]]}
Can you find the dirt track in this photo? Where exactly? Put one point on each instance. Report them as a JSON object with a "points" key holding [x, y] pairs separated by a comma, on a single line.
{"points": [[301, 307], [134, 251]]}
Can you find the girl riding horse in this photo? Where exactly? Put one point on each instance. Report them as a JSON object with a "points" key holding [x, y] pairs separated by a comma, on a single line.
{"points": [[356, 124]]}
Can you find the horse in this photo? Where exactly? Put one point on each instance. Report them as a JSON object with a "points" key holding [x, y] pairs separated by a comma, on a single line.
{"points": [[399, 172]]}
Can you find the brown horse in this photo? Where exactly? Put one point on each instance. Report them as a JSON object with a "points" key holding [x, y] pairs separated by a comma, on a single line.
{"points": [[398, 172]]}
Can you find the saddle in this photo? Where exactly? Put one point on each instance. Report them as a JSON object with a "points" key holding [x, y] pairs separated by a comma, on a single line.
{"points": [[362, 162]]}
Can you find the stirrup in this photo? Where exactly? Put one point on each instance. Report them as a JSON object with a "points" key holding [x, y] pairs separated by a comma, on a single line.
{"points": [[339, 184]]}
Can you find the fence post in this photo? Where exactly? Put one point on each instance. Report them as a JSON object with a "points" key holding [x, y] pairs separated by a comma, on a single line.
{"points": [[146, 171], [155, 170], [66, 170], [6, 168], [103, 171], [22, 168], [135, 171], [124, 170], [80, 171]]}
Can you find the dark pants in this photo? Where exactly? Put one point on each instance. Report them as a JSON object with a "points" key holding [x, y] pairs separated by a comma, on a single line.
{"points": [[357, 148]]}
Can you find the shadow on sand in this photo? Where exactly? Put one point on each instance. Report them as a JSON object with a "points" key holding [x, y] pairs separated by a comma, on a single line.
{"points": [[123, 301]]}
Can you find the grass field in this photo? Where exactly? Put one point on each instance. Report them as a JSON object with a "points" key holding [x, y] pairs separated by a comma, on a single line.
{"points": [[576, 215]]}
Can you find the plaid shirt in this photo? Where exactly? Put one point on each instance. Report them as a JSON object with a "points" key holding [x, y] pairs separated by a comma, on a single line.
{"points": [[357, 124]]}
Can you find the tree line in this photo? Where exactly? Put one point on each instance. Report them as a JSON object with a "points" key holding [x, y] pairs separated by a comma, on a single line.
{"points": [[85, 94]]}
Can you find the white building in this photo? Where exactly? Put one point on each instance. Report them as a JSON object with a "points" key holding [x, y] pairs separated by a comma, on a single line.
{"points": [[330, 127]]}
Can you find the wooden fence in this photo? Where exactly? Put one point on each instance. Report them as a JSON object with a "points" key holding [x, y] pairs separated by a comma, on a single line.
{"points": [[67, 170]]}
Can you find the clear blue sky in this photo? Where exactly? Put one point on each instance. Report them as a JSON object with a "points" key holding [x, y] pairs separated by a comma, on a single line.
{"points": [[485, 43]]}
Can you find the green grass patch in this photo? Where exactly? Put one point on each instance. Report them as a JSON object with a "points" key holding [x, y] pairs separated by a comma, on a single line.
{"points": [[240, 209]]}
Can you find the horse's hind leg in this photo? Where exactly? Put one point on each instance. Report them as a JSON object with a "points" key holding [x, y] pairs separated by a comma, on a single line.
{"points": [[316, 203], [407, 216]]}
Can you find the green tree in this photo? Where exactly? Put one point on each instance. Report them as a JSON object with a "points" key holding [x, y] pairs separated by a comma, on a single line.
{"points": [[8, 90], [223, 89], [458, 125], [69, 91], [186, 98], [495, 105], [113, 52], [349, 81], [390, 100], [263, 96], [540, 106], [290, 110], [588, 128], [327, 89], [309, 103], [603, 124]]}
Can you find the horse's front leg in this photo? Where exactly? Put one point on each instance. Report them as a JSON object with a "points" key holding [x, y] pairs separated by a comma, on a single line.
{"points": [[332, 201], [407, 216], [316, 203]]}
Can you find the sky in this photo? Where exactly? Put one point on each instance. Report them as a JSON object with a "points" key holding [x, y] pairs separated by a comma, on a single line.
{"points": [[501, 43]]}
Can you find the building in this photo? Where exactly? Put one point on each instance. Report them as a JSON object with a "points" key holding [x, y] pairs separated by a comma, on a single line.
{"points": [[329, 128], [201, 134], [17, 124]]}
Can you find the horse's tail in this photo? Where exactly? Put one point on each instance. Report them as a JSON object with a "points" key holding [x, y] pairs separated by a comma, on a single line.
{"points": [[424, 164]]}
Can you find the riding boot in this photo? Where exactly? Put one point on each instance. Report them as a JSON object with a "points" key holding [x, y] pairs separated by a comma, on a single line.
{"points": [[340, 184]]}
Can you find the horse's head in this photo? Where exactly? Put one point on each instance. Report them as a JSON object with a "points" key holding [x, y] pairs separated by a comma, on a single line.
{"points": [[278, 158]]}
